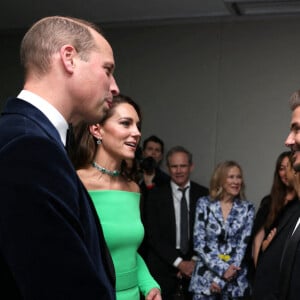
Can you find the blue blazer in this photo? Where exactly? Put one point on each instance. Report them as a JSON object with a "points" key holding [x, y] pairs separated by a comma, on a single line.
{"points": [[51, 242]]}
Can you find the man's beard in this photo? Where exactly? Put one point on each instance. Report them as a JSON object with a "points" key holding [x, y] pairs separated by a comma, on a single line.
{"points": [[296, 164], [295, 157]]}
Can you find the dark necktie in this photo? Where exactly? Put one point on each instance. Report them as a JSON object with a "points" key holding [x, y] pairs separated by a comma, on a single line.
{"points": [[184, 223]]}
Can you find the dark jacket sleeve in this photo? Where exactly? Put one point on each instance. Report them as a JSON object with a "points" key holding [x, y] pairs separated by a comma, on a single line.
{"points": [[47, 231], [160, 224]]}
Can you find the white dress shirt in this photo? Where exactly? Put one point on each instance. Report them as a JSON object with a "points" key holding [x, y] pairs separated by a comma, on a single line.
{"points": [[297, 224], [54, 116], [177, 195]]}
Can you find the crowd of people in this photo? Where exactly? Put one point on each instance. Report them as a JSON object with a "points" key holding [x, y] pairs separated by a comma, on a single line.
{"points": [[99, 218]]}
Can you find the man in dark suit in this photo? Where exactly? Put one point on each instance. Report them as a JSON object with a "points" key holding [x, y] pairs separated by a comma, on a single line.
{"points": [[51, 243], [266, 279], [171, 258], [289, 288], [152, 175]]}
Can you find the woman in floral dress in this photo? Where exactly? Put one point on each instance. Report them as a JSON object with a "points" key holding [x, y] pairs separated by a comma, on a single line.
{"points": [[223, 226]]}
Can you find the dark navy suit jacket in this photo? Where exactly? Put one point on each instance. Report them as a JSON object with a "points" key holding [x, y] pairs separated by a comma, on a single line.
{"points": [[267, 275], [51, 242]]}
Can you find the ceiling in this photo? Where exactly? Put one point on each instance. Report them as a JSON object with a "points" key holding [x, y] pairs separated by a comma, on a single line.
{"points": [[19, 14]]}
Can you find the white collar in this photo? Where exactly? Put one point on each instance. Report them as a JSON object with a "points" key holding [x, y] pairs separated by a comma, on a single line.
{"points": [[176, 187], [54, 116]]}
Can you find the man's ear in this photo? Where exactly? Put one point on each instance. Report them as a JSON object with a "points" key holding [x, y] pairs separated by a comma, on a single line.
{"points": [[68, 54]]}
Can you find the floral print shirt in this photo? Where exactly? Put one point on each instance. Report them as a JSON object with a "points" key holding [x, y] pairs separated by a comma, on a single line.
{"points": [[219, 244]]}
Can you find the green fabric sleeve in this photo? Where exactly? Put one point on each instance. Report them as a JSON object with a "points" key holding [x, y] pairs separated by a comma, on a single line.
{"points": [[145, 280]]}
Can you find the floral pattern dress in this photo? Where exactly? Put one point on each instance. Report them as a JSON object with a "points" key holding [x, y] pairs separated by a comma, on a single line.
{"points": [[218, 245]]}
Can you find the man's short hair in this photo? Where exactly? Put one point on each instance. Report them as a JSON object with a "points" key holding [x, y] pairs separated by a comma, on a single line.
{"points": [[155, 139], [48, 35], [295, 100], [179, 149]]}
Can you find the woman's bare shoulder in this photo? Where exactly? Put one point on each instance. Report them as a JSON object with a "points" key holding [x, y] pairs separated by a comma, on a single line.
{"points": [[133, 186]]}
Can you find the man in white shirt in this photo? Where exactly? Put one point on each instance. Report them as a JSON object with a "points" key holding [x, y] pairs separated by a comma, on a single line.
{"points": [[170, 252], [51, 242]]}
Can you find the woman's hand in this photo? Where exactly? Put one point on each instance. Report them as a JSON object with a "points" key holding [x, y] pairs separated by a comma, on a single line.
{"points": [[265, 244], [154, 294], [231, 272], [215, 288]]}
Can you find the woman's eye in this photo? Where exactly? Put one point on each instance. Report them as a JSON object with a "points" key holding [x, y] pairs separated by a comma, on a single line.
{"points": [[125, 123]]}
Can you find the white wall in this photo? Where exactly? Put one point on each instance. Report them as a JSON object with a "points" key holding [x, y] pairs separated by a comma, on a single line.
{"points": [[220, 89]]}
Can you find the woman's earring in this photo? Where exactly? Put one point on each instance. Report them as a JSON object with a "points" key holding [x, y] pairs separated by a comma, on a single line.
{"points": [[99, 141]]}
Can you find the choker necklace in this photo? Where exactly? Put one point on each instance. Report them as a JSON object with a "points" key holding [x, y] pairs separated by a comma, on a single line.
{"points": [[113, 173]]}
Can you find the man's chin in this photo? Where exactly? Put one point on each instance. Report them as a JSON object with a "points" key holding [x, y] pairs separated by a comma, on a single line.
{"points": [[103, 114]]}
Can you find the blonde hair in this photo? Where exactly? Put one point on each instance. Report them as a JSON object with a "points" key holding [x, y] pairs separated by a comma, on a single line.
{"points": [[219, 177], [48, 35]]}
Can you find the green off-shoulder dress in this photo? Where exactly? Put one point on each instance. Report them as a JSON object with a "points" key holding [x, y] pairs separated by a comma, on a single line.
{"points": [[119, 214]]}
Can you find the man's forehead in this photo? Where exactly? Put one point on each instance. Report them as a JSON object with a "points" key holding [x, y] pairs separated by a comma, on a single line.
{"points": [[152, 144], [102, 43], [295, 115]]}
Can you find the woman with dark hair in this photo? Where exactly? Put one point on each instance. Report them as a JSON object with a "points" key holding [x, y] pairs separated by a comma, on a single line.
{"points": [[280, 215], [223, 225], [100, 159], [271, 205]]}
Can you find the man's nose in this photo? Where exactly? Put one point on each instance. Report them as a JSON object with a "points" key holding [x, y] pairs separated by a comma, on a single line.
{"points": [[114, 87], [289, 140]]}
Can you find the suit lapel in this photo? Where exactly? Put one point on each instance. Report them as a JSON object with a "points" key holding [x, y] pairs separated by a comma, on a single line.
{"points": [[287, 262], [17, 106], [169, 210]]}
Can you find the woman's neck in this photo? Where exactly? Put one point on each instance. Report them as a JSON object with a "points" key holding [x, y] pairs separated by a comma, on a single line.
{"points": [[227, 199], [112, 173], [107, 162]]}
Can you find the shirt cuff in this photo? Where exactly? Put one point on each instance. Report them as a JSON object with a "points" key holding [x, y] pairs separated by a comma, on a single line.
{"points": [[177, 261]]}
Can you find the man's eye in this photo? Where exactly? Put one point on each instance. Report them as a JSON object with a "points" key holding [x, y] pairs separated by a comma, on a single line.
{"points": [[108, 70]]}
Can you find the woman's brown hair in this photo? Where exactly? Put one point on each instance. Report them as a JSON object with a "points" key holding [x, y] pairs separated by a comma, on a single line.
{"points": [[84, 150]]}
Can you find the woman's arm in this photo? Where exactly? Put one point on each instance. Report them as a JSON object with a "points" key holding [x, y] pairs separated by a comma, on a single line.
{"points": [[256, 245], [147, 284]]}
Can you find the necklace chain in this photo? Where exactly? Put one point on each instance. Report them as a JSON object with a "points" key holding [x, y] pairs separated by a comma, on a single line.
{"points": [[103, 170]]}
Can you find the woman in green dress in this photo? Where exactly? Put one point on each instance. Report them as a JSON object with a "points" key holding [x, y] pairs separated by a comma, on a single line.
{"points": [[99, 156]]}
